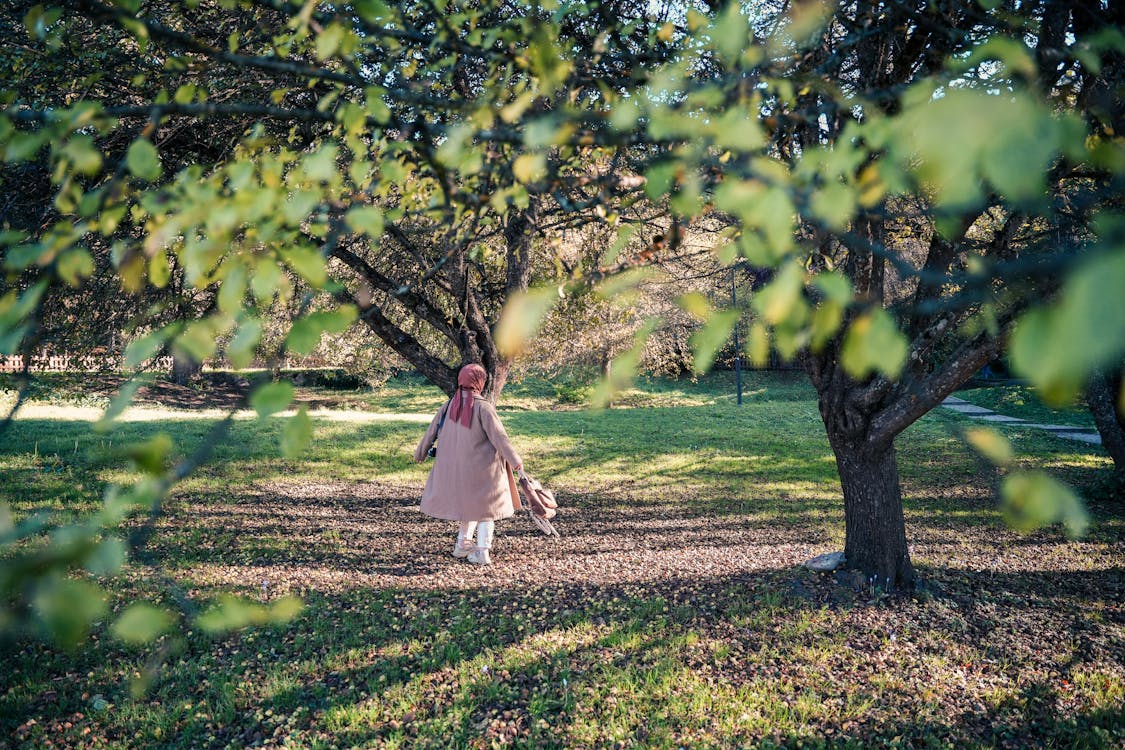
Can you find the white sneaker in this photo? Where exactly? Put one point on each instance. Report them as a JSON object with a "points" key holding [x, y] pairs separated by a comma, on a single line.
{"points": [[479, 556], [463, 548]]}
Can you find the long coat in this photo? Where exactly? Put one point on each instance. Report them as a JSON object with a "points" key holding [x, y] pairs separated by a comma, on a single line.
{"points": [[471, 479]]}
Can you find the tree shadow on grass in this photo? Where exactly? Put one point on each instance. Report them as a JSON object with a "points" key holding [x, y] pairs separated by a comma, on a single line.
{"points": [[345, 535], [720, 661], [690, 659]]}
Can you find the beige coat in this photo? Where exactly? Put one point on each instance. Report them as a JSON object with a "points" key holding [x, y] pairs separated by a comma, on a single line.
{"points": [[471, 479]]}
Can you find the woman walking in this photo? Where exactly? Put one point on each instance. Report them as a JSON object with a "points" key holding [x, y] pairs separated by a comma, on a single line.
{"points": [[471, 480]]}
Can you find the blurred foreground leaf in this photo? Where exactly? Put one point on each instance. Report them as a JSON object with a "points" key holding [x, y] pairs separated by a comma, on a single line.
{"points": [[1033, 499], [233, 613], [141, 623]]}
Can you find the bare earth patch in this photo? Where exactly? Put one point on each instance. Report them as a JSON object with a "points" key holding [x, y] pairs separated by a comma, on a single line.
{"points": [[332, 537]]}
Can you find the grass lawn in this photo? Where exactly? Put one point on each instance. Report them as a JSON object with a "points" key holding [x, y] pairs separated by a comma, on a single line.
{"points": [[672, 613], [1020, 401]]}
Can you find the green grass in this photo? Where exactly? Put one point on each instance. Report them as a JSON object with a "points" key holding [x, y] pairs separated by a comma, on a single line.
{"points": [[671, 614], [1022, 402]]}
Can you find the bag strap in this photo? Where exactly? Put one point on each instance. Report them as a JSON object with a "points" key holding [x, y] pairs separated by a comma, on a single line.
{"points": [[441, 422]]}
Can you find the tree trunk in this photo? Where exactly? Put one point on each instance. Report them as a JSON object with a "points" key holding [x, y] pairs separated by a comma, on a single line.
{"points": [[497, 379], [875, 541], [185, 370], [1101, 395], [607, 372]]}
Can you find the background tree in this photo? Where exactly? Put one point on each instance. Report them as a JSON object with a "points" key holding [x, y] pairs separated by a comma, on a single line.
{"points": [[1104, 397]]}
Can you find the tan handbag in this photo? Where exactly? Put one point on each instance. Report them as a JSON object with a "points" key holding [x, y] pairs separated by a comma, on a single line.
{"points": [[541, 503]]}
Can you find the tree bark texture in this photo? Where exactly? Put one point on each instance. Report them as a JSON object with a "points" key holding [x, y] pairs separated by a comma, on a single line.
{"points": [[185, 370], [454, 301], [873, 519], [1102, 396]]}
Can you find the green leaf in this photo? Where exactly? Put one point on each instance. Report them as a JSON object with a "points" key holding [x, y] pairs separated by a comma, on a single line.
{"points": [[148, 346], [83, 155], [623, 368], [338, 320], [953, 141], [121, 502], [74, 264], [874, 343], [266, 279], [782, 299], [297, 434], [1056, 348], [835, 286], [328, 41], [623, 117], [67, 608], [297, 207], [285, 609], [521, 318], [304, 335], [307, 262], [610, 256], [529, 168], [141, 623], [271, 398], [376, 106], [197, 341], [233, 288], [142, 160], [240, 350], [758, 344], [731, 33], [151, 456], [366, 219], [25, 146], [834, 204], [708, 340], [738, 131], [619, 284], [107, 557], [546, 131], [118, 404], [695, 304], [233, 613], [805, 21], [1033, 499], [159, 270], [659, 179], [320, 165], [991, 444], [826, 321], [789, 338], [15, 306]]}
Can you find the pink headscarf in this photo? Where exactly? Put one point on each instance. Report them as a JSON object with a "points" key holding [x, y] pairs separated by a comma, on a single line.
{"points": [[470, 381]]}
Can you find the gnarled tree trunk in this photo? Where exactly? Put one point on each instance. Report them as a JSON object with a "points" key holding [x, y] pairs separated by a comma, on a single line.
{"points": [[875, 541], [185, 370], [452, 300], [1102, 395]]}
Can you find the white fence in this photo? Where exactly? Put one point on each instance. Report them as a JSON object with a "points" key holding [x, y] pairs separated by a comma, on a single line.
{"points": [[74, 363]]}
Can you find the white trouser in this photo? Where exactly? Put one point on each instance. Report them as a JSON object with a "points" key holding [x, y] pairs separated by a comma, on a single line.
{"points": [[482, 529]]}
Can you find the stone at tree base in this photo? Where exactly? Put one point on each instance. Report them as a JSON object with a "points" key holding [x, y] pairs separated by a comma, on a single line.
{"points": [[827, 562]]}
